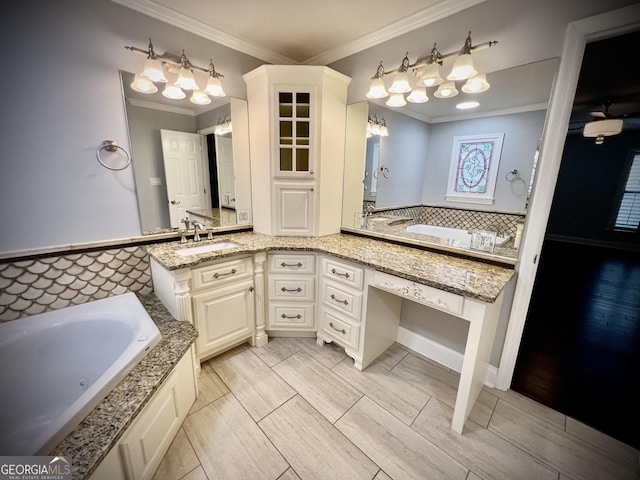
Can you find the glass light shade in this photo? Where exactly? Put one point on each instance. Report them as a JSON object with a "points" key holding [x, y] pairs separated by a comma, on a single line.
{"points": [[375, 129], [200, 97], [384, 131], [186, 80], [418, 95], [477, 84], [400, 83], [603, 128], [396, 100], [446, 90], [153, 70], [173, 92], [430, 76], [377, 90], [462, 68], [214, 87], [143, 84]]}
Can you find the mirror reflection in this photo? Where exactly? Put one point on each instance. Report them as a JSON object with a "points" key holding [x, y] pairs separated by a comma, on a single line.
{"points": [[190, 162], [408, 176]]}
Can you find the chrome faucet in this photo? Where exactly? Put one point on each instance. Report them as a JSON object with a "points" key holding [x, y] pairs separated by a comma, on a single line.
{"points": [[196, 234]]}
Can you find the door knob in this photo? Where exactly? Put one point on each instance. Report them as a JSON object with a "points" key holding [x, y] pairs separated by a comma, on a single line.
{"points": [[174, 202]]}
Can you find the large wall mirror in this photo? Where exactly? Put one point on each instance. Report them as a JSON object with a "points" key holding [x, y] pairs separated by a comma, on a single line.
{"points": [[189, 161], [405, 175]]}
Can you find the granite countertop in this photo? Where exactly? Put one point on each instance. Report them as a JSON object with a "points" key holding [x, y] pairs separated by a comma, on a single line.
{"points": [[92, 440], [470, 278]]}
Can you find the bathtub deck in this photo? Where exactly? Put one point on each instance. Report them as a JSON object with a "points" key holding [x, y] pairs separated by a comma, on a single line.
{"points": [[91, 441]]}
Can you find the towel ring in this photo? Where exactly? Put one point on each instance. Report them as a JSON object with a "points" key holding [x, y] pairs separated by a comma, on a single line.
{"points": [[112, 146], [512, 176]]}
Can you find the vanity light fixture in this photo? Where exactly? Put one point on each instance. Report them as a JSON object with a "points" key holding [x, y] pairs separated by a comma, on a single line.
{"points": [[603, 128], [426, 73], [223, 126], [157, 65], [376, 127]]}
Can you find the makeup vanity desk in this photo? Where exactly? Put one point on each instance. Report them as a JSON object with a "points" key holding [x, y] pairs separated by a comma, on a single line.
{"points": [[465, 288]]}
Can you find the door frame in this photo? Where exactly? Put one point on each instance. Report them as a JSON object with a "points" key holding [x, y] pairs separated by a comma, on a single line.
{"points": [[609, 24]]}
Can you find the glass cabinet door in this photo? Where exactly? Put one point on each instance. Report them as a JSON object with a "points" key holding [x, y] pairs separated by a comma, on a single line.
{"points": [[294, 132]]}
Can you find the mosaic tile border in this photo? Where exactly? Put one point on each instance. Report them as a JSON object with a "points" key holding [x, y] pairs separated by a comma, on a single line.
{"points": [[33, 286]]}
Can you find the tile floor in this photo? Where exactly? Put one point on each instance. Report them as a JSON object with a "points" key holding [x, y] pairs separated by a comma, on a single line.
{"points": [[295, 410]]}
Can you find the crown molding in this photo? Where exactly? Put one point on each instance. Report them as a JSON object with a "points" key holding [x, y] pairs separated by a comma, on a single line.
{"points": [[160, 106], [170, 16], [412, 22]]}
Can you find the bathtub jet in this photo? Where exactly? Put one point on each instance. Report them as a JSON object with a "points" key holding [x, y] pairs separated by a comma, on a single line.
{"points": [[58, 366]]}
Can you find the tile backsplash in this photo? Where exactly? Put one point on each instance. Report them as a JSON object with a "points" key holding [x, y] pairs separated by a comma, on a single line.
{"points": [[32, 286]]}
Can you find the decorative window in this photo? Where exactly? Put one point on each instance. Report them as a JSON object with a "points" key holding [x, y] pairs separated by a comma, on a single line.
{"points": [[628, 215], [474, 168], [294, 133]]}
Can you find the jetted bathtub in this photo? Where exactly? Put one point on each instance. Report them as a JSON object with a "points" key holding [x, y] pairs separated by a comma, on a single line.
{"points": [[450, 236], [57, 366]]}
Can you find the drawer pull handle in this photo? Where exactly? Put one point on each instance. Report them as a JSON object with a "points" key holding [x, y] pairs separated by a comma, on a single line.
{"points": [[345, 275], [283, 264], [343, 331], [218, 275], [298, 290], [298, 316], [333, 297]]}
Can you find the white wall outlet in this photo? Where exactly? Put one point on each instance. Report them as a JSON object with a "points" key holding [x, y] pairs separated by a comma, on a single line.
{"points": [[242, 217], [155, 180]]}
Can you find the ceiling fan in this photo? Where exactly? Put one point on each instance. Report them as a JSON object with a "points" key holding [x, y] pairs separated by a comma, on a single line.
{"points": [[605, 123]]}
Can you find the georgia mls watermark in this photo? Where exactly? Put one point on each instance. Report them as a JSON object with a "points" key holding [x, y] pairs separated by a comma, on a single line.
{"points": [[35, 468]]}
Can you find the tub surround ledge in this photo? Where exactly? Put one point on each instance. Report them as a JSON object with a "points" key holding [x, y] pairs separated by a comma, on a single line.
{"points": [[92, 440], [467, 277]]}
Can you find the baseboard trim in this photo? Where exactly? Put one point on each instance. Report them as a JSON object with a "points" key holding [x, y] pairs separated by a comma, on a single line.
{"points": [[439, 353]]}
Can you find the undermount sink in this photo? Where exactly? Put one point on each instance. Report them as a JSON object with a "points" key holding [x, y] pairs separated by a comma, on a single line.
{"points": [[212, 247]]}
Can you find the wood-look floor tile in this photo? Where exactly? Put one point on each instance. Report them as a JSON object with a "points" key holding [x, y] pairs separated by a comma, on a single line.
{"points": [[391, 356], [543, 412], [314, 448], [479, 449], [391, 392], [322, 388], [210, 387], [382, 476], [179, 460], [230, 445], [290, 474], [276, 350], [195, 474], [564, 452], [400, 451], [443, 385], [328, 354], [622, 451], [253, 383]]}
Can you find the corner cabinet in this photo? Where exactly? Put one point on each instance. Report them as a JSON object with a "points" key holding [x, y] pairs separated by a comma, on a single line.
{"points": [[297, 119]]}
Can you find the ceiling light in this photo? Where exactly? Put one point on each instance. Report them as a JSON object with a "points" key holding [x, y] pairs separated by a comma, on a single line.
{"points": [[446, 90], [427, 72], [603, 128], [467, 105], [154, 72], [477, 84]]}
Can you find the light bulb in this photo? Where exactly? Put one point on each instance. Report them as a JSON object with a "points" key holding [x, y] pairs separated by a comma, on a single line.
{"points": [[446, 90], [430, 76]]}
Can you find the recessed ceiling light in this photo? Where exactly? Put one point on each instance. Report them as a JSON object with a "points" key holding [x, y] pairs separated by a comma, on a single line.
{"points": [[467, 105]]}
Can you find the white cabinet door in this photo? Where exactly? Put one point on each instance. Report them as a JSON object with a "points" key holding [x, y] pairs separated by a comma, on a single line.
{"points": [[295, 209], [224, 316]]}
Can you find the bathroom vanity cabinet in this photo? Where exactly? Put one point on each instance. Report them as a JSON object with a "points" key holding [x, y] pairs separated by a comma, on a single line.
{"points": [[217, 298], [297, 117], [140, 450]]}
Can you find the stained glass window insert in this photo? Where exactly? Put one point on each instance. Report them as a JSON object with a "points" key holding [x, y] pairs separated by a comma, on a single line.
{"points": [[474, 163]]}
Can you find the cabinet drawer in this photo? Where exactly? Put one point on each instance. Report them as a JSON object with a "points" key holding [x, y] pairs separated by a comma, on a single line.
{"points": [[341, 299], [291, 317], [339, 328], [342, 272], [221, 273], [281, 263], [291, 288]]}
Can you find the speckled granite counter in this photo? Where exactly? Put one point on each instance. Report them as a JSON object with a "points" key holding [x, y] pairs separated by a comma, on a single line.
{"points": [[462, 276], [91, 441]]}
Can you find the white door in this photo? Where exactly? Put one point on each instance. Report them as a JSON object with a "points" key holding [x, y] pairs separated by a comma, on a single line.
{"points": [[226, 176], [184, 155]]}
